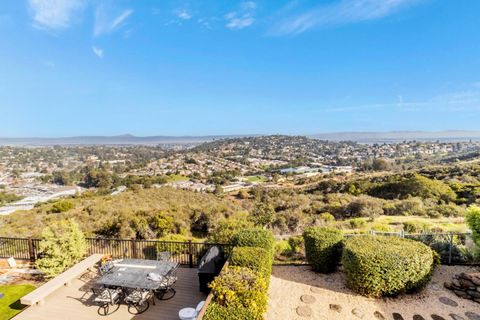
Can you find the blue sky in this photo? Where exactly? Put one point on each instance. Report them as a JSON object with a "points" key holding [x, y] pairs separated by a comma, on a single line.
{"points": [[94, 67]]}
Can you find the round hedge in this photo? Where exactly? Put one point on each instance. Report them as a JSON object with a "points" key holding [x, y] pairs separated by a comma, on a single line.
{"points": [[323, 248], [378, 266]]}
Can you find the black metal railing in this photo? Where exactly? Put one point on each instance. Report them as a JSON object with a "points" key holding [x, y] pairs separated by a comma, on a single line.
{"points": [[186, 253]]}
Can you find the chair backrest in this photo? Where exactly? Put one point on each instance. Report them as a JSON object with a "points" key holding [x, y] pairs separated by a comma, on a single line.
{"points": [[164, 256], [199, 306], [102, 292], [105, 268]]}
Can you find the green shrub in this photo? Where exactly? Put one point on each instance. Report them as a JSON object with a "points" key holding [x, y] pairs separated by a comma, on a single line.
{"points": [[384, 266], [219, 312], [415, 226], [296, 243], [256, 259], [473, 221], [282, 248], [238, 287], [357, 223], [327, 217], [61, 206], [254, 237], [323, 248]]}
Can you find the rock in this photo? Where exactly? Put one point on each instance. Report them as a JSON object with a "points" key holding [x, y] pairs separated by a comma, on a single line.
{"points": [[461, 294], [437, 317], [336, 307], [448, 285], [308, 299], [476, 300], [474, 294], [456, 316], [379, 315], [418, 317], [329, 279], [397, 316], [472, 315], [448, 301], [358, 313], [476, 280], [304, 311], [456, 283], [434, 287], [467, 284]]}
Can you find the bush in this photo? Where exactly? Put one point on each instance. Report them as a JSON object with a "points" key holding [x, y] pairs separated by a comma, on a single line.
{"points": [[219, 312], [282, 248], [473, 221], [240, 287], [256, 259], [254, 237], [357, 223], [63, 244], [323, 248], [296, 243], [378, 266], [414, 226], [61, 206]]}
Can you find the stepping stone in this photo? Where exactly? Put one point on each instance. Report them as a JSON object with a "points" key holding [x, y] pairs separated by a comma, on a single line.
{"points": [[418, 317], [379, 315], [397, 316], [308, 299], [434, 287], [437, 317], [456, 316], [358, 313], [315, 289], [336, 307], [304, 311], [448, 301], [472, 315]]}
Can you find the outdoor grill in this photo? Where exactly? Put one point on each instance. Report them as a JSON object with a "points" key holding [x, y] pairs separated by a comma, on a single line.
{"points": [[209, 267]]}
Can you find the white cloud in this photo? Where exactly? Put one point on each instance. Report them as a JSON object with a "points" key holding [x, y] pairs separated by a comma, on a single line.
{"points": [[243, 18], [341, 12], [106, 23], [184, 14], [98, 52], [54, 14]]}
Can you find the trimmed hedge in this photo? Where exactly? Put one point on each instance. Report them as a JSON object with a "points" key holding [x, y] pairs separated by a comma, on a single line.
{"points": [[254, 237], [256, 259], [378, 266], [240, 287], [219, 312], [323, 248]]}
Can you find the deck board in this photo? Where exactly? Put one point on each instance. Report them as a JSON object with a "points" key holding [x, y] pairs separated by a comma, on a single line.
{"points": [[74, 302]]}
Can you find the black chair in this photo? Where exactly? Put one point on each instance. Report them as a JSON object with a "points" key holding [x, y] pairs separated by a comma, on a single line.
{"points": [[166, 290], [137, 301], [106, 298]]}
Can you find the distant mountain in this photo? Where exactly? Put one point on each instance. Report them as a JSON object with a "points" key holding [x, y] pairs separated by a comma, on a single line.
{"points": [[362, 137], [398, 136]]}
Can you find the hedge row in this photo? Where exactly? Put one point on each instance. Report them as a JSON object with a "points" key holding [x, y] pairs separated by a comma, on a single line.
{"points": [[240, 291], [378, 266], [323, 248]]}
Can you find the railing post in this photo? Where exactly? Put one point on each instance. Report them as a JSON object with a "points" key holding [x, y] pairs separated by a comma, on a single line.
{"points": [[31, 250], [190, 253], [134, 248], [450, 249]]}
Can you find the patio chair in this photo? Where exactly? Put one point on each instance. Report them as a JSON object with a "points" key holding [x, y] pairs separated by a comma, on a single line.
{"points": [[164, 256], [166, 290], [106, 267], [190, 313], [106, 298], [137, 301]]}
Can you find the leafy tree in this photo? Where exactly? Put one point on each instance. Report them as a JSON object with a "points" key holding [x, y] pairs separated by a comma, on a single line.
{"points": [[61, 178], [63, 244], [226, 228], [263, 214], [62, 206], [473, 220]]}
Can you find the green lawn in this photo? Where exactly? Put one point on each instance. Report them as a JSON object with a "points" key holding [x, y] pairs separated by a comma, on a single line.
{"points": [[10, 303], [255, 179]]}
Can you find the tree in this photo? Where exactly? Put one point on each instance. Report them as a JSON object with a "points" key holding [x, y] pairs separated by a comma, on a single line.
{"points": [[263, 214], [61, 178], [63, 244], [473, 221]]}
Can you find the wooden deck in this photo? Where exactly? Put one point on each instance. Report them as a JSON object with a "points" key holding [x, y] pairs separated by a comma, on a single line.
{"points": [[74, 302]]}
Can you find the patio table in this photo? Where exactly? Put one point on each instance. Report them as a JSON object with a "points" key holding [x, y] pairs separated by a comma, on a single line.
{"points": [[133, 273]]}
